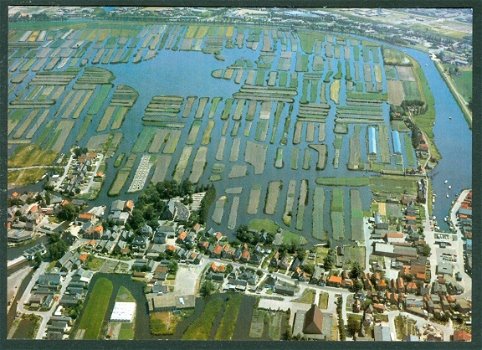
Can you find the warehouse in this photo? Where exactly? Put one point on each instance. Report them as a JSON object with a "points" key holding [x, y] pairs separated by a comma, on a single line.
{"points": [[372, 143], [397, 148], [123, 312]]}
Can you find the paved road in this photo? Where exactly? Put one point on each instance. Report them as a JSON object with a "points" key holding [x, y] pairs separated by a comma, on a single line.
{"points": [[459, 247]]}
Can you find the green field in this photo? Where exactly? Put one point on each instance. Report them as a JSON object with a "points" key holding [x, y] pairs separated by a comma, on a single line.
{"points": [[95, 310]]}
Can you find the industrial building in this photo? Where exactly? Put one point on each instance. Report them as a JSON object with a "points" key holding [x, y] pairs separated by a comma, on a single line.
{"points": [[372, 140], [397, 148], [123, 312]]}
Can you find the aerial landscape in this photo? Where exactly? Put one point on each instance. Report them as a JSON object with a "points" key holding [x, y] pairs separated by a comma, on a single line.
{"points": [[260, 174]]}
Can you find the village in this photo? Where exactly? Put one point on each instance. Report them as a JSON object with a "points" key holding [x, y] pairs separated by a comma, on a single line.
{"points": [[326, 295]]}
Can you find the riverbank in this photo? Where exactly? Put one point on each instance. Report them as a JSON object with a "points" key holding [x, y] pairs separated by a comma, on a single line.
{"points": [[465, 110]]}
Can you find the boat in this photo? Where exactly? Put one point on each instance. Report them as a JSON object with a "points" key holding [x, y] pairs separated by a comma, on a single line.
{"points": [[446, 181], [450, 117], [450, 187], [446, 218], [448, 195]]}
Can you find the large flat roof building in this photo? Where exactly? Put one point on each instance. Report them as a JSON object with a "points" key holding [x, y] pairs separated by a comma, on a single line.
{"points": [[123, 312]]}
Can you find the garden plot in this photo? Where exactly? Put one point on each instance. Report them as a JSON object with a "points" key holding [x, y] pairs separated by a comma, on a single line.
{"points": [[318, 214], [214, 106], [337, 214], [313, 112], [238, 171], [395, 92], [322, 155], [256, 156], [219, 210], [302, 203], [141, 174], [383, 143], [38, 123], [188, 107], [62, 132], [192, 136], [355, 154], [228, 105], [290, 199], [233, 214], [198, 164], [122, 176], [274, 189], [357, 231], [202, 105], [161, 165], [26, 123], [310, 132], [335, 91], [254, 196], [294, 158], [217, 171], [206, 139], [144, 140], [266, 93], [182, 163], [307, 159], [262, 130], [162, 109], [233, 157], [411, 91], [172, 141], [239, 110], [297, 133], [279, 158], [159, 140], [405, 73], [220, 151]]}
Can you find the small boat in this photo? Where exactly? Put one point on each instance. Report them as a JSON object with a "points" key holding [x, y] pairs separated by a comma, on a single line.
{"points": [[448, 195], [434, 218], [446, 218], [450, 187], [446, 181], [450, 117]]}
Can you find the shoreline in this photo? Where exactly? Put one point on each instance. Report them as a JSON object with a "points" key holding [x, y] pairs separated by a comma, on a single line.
{"points": [[465, 110]]}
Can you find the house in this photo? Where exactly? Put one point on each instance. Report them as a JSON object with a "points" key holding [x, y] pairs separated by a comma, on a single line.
{"points": [[334, 281], [313, 321], [139, 243], [382, 333], [462, 335], [284, 289], [217, 250], [245, 255], [171, 302]]}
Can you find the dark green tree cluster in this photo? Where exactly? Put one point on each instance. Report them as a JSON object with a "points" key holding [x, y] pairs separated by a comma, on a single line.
{"points": [[206, 203], [207, 288], [67, 212], [244, 235], [57, 247], [330, 259]]}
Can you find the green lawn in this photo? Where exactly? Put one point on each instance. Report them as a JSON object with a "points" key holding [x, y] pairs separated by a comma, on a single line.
{"points": [[228, 322], [94, 263], [308, 296], [200, 329], [270, 226], [96, 309], [124, 295], [323, 300], [463, 81], [126, 332]]}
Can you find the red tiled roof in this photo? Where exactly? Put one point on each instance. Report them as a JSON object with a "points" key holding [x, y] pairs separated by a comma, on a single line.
{"points": [[182, 236], [334, 279], [461, 335], [218, 249]]}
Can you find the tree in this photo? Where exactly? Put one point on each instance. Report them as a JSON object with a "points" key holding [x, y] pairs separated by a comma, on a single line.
{"points": [[207, 288], [309, 268], [173, 267], [356, 270], [353, 326], [68, 212], [37, 260], [57, 248], [301, 253], [329, 260], [425, 250], [229, 268]]}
